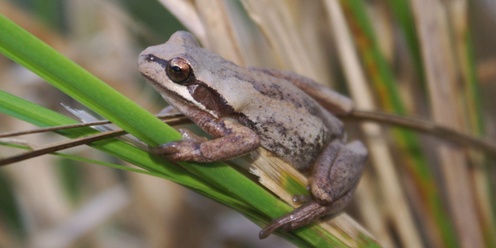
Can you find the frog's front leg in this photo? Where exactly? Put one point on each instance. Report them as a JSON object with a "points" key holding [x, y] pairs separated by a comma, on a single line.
{"points": [[232, 140], [335, 175]]}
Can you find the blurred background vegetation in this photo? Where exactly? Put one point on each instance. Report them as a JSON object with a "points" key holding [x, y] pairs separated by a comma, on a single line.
{"points": [[430, 59]]}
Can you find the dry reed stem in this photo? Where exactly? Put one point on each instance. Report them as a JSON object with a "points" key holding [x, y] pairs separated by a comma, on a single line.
{"points": [[457, 14], [397, 206], [294, 38], [215, 18], [186, 13], [432, 28]]}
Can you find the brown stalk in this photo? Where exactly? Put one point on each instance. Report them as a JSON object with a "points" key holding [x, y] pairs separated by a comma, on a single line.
{"points": [[62, 145]]}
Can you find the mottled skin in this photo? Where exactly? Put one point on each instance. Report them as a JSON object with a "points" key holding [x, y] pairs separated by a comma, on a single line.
{"points": [[244, 108]]}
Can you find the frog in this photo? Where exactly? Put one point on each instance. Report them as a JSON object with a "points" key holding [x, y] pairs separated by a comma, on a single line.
{"points": [[244, 108]]}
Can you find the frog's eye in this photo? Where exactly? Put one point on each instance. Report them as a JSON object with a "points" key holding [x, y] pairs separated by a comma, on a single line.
{"points": [[178, 70]]}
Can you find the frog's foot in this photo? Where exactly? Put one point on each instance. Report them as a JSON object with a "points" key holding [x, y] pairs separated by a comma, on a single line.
{"points": [[180, 151], [306, 214], [335, 176], [187, 149], [235, 140], [299, 217]]}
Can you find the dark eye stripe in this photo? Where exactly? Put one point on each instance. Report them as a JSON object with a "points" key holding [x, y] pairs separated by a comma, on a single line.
{"points": [[152, 58]]}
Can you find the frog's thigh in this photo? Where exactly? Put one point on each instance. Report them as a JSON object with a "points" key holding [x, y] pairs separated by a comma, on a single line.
{"points": [[337, 171]]}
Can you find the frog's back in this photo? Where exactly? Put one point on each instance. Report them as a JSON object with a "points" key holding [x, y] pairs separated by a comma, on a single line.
{"points": [[290, 123]]}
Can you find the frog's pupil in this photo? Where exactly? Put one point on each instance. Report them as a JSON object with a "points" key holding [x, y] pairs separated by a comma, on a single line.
{"points": [[176, 68], [179, 72]]}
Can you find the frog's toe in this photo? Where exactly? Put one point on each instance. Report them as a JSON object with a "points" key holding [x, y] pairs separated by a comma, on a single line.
{"points": [[299, 217], [178, 151], [188, 135], [306, 214], [300, 199], [165, 149]]}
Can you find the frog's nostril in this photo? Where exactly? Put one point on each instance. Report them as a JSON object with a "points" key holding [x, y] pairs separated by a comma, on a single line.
{"points": [[150, 58]]}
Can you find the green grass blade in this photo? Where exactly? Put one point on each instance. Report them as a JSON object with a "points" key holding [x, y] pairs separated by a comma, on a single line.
{"points": [[40, 116], [67, 76], [402, 12]]}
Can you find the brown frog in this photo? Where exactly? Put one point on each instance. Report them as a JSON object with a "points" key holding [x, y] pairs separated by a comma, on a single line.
{"points": [[244, 108]]}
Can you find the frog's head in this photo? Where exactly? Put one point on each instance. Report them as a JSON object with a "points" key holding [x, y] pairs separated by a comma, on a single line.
{"points": [[182, 72]]}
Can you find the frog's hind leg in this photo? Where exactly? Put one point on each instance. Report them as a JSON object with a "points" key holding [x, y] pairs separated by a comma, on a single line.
{"points": [[299, 217], [334, 179], [337, 171], [305, 214]]}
